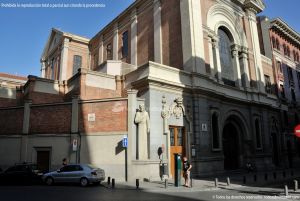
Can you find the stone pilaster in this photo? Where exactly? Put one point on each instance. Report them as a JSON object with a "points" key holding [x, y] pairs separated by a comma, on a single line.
{"points": [[64, 60], [245, 68], [256, 49], [236, 61], [101, 49], [43, 68], [116, 42], [157, 32], [192, 36], [25, 131], [134, 37]]}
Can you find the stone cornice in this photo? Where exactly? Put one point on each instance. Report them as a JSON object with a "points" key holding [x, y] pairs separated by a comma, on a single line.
{"points": [[255, 5], [280, 26]]}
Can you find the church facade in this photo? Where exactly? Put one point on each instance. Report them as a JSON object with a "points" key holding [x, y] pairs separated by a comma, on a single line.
{"points": [[190, 80]]}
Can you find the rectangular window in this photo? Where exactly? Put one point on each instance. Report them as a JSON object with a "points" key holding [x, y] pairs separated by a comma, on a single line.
{"points": [[95, 61], [109, 52], [268, 84], [125, 44], [179, 137], [290, 76], [77, 62], [298, 77], [52, 68], [172, 137], [293, 94], [279, 67], [282, 91]]}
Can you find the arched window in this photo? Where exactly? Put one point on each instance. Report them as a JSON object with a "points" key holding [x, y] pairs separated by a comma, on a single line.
{"points": [[226, 59], [215, 131], [258, 134]]}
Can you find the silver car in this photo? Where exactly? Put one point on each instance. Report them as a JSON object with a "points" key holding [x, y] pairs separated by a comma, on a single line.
{"points": [[76, 173]]}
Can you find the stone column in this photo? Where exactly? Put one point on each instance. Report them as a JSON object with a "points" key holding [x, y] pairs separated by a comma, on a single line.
{"points": [[100, 60], [256, 49], [157, 32], [245, 69], [64, 60], [211, 56], [25, 131], [134, 38], [116, 43], [131, 150], [217, 61], [236, 61], [192, 36]]}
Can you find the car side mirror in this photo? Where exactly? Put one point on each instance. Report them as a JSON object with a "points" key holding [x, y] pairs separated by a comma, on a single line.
{"points": [[58, 171]]}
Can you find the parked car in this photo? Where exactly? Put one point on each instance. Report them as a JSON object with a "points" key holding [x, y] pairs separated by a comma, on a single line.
{"points": [[84, 174], [24, 173]]}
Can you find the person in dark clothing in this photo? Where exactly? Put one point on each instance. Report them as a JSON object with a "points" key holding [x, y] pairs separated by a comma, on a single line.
{"points": [[186, 171], [64, 162]]}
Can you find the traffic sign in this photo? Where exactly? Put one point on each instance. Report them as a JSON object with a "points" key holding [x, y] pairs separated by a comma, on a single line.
{"points": [[125, 141], [297, 131]]}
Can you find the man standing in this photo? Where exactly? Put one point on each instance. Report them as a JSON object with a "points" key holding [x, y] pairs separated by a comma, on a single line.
{"points": [[186, 172]]}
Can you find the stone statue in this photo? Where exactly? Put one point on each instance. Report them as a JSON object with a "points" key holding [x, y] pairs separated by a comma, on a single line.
{"points": [[142, 119]]}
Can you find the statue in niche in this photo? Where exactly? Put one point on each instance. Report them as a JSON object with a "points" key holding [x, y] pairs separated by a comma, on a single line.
{"points": [[142, 119]]}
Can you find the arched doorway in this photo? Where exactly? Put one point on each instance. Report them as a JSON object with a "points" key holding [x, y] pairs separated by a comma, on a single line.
{"points": [[231, 146]]}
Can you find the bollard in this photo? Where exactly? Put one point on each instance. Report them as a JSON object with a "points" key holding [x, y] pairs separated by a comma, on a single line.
{"points": [[228, 181], [266, 177], [108, 180], [166, 183], [295, 185], [137, 183], [283, 174], [244, 180], [286, 190], [216, 182], [274, 175], [113, 183], [255, 178]]}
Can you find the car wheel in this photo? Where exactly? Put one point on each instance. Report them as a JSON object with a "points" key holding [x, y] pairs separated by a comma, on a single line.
{"points": [[84, 182], [49, 181]]}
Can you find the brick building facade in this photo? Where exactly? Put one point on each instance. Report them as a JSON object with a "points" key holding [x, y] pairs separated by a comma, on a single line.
{"points": [[197, 68]]}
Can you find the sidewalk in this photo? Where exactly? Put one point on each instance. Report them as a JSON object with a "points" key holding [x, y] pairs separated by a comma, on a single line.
{"points": [[237, 181]]}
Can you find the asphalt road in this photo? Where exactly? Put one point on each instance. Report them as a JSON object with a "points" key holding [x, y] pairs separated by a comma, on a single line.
{"points": [[101, 193]]}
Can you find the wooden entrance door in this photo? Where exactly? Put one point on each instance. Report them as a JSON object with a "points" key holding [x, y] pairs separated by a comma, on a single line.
{"points": [[43, 160], [177, 144]]}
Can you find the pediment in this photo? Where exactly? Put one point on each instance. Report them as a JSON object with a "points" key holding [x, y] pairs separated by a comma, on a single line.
{"points": [[52, 42]]}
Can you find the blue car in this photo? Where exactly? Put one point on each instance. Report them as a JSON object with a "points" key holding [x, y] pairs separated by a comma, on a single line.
{"points": [[84, 174]]}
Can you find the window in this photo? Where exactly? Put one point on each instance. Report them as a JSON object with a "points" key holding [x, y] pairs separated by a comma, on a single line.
{"points": [[180, 137], [290, 76], [125, 44], [279, 66], [95, 61], [273, 42], [298, 78], [284, 49], [77, 62], [52, 68], [172, 137], [109, 52], [226, 58], [215, 131], [277, 44], [268, 84], [288, 52], [293, 94], [258, 134], [286, 118], [282, 91]]}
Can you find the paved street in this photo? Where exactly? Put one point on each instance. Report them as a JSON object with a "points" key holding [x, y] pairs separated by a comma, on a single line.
{"points": [[151, 193]]}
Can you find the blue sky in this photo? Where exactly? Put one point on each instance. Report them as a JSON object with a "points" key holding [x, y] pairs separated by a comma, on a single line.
{"points": [[24, 31]]}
